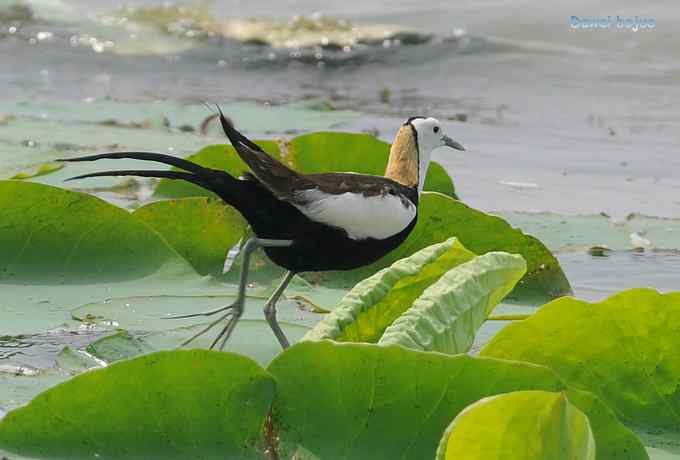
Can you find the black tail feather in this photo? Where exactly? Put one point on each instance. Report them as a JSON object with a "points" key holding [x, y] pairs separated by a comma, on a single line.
{"points": [[148, 156], [144, 173]]}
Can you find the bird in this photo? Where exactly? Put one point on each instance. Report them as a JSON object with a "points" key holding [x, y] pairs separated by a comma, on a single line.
{"points": [[306, 222]]}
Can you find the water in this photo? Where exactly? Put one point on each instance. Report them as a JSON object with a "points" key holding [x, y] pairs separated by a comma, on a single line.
{"points": [[560, 125], [589, 117]]}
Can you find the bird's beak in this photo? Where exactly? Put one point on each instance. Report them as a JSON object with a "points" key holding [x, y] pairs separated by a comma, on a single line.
{"points": [[447, 141]]}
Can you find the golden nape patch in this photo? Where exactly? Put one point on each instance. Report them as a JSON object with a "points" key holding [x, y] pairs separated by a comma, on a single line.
{"points": [[402, 166]]}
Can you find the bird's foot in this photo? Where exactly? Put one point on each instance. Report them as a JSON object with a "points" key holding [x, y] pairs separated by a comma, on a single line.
{"points": [[231, 314]]}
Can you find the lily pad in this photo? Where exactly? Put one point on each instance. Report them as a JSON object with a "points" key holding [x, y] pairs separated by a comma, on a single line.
{"points": [[362, 153], [447, 316], [578, 233], [376, 302], [623, 349], [50, 235], [117, 347], [364, 401], [180, 404], [77, 361], [614, 440], [441, 217], [149, 327], [200, 229], [522, 425]]}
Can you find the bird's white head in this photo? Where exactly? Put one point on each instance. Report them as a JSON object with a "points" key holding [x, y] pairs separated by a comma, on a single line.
{"points": [[430, 135], [412, 150]]}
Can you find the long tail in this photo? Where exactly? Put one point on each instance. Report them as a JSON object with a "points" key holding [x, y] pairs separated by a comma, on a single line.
{"points": [[219, 182], [149, 156], [216, 181]]}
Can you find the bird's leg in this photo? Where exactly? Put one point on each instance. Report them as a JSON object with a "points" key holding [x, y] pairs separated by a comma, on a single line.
{"points": [[270, 310], [235, 310]]}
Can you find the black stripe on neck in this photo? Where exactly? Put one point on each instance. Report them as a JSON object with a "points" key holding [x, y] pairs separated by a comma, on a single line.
{"points": [[408, 122]]}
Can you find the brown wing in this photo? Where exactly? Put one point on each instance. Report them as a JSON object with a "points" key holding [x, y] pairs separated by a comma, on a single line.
{"points": [[367, 185], [278, 178], [286, 184]]}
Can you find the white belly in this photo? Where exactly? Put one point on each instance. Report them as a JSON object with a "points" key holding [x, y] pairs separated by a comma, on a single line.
{"points": [[361, 217]]}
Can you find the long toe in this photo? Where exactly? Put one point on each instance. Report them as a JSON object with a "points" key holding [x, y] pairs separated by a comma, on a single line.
{"points": [[225, 333], [206, 329], [204, 313]]}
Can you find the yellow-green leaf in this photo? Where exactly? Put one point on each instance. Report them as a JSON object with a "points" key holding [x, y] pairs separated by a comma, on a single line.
{"points": [[522, 425], [624, 349], [167, 405], [448, 314], [200, 229], [51, 235], [376, 302]]}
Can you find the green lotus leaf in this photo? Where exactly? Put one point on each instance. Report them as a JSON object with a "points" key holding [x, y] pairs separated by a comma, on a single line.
{"points": [[170, 405], [364, 401], [448, 314], [522, 425], [361, 153], [200, 229], [219, 156], [50, 235], [441, 217], [623, 349], [613, 439], [326, 151], [376, 302]]}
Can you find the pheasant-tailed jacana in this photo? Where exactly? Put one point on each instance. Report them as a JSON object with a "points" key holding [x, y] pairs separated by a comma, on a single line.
{"points": [[307, 223]]}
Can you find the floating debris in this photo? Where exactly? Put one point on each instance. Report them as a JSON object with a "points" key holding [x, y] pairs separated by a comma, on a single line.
{"points": [[29, 143], [187, 21], [462, 117], [19, 371], [385, 95], [120, 124], [639, 242], [314, 38], [306, 304], [16, 13], [317, 30], [599, 251], [519, 185], [43, 169], [5, 119]]}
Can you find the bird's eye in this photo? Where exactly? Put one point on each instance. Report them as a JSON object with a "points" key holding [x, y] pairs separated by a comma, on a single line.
{"points": [[435, 129]]}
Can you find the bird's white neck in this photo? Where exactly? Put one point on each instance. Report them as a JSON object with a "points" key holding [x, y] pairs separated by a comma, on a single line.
{"points": [[424, 156]]}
